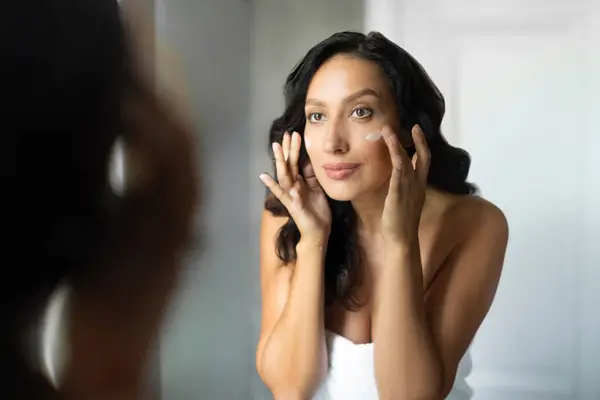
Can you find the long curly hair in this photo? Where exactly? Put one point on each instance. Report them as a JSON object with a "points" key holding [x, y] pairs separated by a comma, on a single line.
{"points": [[417, 100]]}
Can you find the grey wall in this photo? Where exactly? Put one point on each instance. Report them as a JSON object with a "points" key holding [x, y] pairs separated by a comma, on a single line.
{"points": [[235, 55], [207, 345]]}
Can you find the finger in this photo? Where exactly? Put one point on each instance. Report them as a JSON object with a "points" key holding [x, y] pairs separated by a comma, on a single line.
{"points": [[303, 186], [291, 200], [297, 193], [296, 204], [285, 145], [277, 190], [281, 167], [423, 155], [310, 179], [398, 156], [296, 142], [308, 171]]}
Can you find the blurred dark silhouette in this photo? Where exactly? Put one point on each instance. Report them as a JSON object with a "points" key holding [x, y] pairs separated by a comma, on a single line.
{"points": [[71, 89]]}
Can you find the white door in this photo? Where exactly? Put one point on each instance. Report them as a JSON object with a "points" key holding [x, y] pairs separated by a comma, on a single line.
{"points": [[521, 81]]}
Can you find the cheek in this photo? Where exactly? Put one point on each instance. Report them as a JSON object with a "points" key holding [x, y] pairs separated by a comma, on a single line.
{"points": [[307, 143], [375, 151], [378, 157], [312, 146]]}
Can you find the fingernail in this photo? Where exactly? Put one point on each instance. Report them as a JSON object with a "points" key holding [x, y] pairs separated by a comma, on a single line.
{"points": [[274, 146], [262, 177]]}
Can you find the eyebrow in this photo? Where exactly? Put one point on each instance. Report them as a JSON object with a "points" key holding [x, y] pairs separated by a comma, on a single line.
{"points": [[347, 99]]}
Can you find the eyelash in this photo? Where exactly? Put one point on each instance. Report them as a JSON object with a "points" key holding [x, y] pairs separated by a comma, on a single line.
{"points": [[369, 111]]}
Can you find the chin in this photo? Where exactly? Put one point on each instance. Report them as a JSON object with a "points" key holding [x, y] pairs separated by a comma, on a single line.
{"points": [[340, 192], [351, 190]]}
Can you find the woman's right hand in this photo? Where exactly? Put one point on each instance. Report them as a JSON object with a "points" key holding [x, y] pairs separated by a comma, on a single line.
{"points": [[302, 197]]}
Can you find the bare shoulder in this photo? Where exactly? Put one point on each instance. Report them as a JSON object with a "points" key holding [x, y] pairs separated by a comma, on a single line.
{"points": [[474, 233], [480, 229], [463, 215], [274, 273], [480, 215], [270, 226]]}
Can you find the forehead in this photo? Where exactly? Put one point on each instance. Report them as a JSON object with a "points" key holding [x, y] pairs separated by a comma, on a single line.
{"points": [[344, 74]]}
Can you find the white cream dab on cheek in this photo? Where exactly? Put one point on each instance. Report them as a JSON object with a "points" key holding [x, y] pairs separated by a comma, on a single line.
{"points": [[373, 136]]}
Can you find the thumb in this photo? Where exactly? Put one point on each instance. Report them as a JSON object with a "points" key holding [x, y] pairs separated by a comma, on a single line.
{"points": [[311, 183]]}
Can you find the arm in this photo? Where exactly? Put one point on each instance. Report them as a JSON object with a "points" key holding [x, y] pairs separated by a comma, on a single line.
{"points": [[407, 364], [118, 302], [420, 338], [291, 349], [113, 329]]}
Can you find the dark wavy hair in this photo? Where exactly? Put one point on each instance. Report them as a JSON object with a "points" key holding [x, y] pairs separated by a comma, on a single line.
{"points": [[417, 100], [72, 88]]}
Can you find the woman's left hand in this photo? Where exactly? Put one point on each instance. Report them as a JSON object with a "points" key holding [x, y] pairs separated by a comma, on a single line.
{"points": [[406, 194]]}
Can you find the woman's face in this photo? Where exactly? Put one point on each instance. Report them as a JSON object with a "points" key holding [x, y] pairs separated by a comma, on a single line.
{"points": [[347, 102]]}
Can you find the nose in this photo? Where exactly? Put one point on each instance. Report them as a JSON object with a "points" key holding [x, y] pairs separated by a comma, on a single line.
{"points": [[335, 142]]}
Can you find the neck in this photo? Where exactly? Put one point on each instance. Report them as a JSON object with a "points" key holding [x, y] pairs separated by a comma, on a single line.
{"points": [[369, 209]]}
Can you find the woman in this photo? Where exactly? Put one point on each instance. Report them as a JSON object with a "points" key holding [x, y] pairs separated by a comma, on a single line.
{"points": [[378, 262], [72, 92]]}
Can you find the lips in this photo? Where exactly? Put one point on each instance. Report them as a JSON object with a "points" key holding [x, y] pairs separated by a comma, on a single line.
{"points": [[340, 171]]}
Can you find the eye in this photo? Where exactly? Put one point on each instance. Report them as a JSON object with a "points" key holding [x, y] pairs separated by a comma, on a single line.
{"points": [[362, 112], [315, 118]]}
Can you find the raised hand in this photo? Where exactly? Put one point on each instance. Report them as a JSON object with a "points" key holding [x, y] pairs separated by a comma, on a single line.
{"points": [[408, 183], [303, 197]]}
